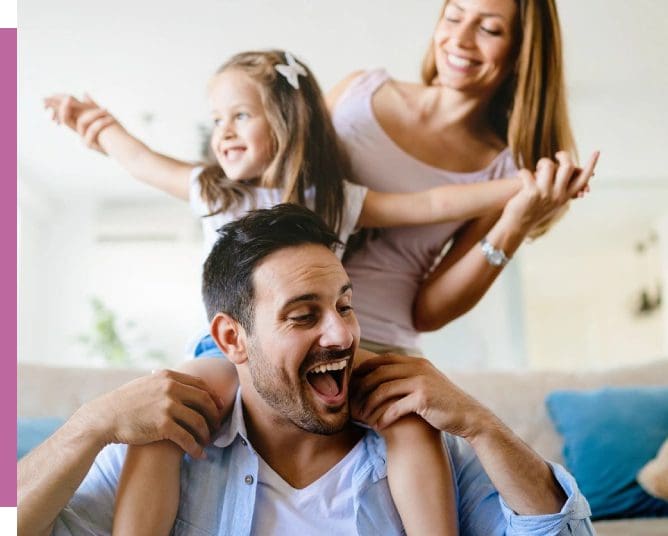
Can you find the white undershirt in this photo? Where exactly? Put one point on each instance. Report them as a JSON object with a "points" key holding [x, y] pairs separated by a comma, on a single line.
{"points": [[324, 507]]}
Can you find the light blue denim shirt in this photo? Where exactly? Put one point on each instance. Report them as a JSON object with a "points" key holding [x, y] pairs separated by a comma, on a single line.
{"points": [[218, 495]]}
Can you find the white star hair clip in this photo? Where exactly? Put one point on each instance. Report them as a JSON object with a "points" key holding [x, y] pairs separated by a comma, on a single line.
{"points": [[291, 71]]}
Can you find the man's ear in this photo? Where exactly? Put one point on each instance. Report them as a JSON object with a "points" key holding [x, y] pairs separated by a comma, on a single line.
{"points": [[230, 337]]}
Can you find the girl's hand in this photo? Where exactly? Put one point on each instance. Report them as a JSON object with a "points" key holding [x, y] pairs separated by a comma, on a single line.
{"points": [[544, 194], [85, 117]]}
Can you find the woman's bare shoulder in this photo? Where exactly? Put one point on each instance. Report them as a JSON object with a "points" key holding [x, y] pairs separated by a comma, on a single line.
{"points": [[334, 94]]}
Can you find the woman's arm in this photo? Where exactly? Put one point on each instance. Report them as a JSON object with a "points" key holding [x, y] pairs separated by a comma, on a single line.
{"points": [[450, 202], [102, 132], [148, 493], [464, 275]]}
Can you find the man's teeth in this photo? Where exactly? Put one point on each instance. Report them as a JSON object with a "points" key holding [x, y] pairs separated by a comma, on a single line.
{"points": [[337, 365], [459, 62]]}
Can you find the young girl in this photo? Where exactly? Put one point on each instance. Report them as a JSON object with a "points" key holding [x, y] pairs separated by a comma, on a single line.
{"points": [[273, 142]]}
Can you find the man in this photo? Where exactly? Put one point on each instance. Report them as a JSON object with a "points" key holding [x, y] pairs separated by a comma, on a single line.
{"points": [[281, 307]]}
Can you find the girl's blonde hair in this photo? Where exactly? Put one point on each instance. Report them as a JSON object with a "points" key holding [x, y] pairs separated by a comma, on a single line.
{"points": [[307, 152], [529, 110]]}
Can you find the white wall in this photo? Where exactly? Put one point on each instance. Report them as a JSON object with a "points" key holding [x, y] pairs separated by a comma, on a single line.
{"points": [[561, 302], [151, 282]]}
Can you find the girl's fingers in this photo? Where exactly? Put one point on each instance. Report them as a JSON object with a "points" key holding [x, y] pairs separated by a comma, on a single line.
{"points": [[94, 129], [64, 111], [86, 118], [89, 100]]}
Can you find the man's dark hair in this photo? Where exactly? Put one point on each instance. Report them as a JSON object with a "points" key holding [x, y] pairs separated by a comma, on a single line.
{"points": [[227, 281]]}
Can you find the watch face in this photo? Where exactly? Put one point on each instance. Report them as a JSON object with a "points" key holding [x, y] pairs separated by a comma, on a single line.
{"points": [[496, 258]]}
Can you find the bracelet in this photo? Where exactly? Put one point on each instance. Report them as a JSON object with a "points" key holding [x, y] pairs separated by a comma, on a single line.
{"points": [[494, 256]]}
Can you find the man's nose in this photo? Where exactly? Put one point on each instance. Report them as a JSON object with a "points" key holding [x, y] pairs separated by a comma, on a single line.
{"points": [[337, 332]]}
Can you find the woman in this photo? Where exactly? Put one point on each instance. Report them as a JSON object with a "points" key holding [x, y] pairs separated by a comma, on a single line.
{"points": [[491, 101]]}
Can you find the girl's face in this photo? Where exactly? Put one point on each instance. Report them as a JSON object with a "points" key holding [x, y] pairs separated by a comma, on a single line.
{"points": [[242, 138], [473, 44]]}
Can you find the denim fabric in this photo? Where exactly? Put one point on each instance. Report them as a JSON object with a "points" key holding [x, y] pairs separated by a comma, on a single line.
{"points": [[207, 347]]}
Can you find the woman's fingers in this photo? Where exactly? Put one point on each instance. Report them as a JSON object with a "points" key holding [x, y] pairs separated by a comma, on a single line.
{"points": [[564, 174], [582, 179], [545, 171]]}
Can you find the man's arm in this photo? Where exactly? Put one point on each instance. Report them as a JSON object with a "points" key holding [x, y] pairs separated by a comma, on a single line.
{"points": [[166, 405], [50, 474], [391, 386]]}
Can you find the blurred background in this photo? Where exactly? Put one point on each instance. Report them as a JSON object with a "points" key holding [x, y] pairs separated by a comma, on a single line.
{"points": [[109, 268]]}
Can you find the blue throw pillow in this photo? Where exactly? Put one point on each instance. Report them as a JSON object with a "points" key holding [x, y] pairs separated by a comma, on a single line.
{"points": [[33, 431], [609, 434]]}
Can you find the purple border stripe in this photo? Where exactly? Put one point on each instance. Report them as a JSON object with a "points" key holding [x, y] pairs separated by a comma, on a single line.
{"points": [[8, 267]]}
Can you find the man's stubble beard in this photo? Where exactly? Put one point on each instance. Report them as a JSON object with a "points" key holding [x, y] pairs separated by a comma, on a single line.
{"points": [[290, 401]]}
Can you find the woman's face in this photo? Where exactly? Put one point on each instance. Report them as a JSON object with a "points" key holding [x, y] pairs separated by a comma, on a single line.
{"points": [[473, 45]]}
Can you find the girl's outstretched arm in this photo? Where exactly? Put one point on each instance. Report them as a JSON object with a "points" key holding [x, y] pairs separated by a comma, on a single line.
{"points": [[450, 202], [148, 493], [102, 132]]}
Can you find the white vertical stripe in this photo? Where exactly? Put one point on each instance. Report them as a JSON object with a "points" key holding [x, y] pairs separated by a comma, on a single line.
{"points": [[8, 520], [8, 14]]}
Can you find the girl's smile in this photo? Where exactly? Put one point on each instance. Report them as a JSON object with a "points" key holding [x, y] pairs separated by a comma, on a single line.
{"points": [[242, 138]]}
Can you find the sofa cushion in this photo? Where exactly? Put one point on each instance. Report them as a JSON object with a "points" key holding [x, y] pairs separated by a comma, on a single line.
{"points": [[33, 431], [609, 434]]}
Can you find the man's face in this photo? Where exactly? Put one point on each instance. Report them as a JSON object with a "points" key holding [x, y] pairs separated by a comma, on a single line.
{"points": [[304, 338]]}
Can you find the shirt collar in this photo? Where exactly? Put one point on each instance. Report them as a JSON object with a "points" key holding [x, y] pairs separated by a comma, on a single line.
{"points": [[233, 426]]}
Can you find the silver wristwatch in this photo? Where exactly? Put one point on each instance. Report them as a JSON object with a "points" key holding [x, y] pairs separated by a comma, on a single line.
{"points": [[495, 257]]}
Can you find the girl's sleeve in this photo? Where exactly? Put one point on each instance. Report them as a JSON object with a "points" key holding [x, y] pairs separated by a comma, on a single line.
{"points": [[353, 200], [197, 204]]}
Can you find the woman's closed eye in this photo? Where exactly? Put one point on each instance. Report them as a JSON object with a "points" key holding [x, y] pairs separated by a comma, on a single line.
{"points": [[491, 31]]}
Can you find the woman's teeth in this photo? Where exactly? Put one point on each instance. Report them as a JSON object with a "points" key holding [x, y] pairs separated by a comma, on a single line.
{"points": [[458, 61]]}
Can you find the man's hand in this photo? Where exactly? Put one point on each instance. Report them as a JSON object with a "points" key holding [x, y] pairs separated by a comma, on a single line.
{"points": [[390, 386], [165, 405]]}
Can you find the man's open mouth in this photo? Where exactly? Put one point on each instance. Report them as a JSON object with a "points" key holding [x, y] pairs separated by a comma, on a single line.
{"points": [[327, 380]]}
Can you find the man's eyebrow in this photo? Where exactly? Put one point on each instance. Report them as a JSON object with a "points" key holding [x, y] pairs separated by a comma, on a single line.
{"points": [[312, 297]]}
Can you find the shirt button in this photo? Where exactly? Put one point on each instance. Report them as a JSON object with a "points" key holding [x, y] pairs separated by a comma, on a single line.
{"points": [[248, 479], [243, 442]]}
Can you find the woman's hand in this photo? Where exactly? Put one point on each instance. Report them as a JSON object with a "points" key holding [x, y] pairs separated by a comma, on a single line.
{"points": [[85, 117], [389, 386], [545, 193]]}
